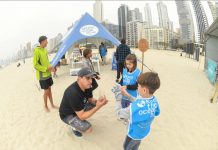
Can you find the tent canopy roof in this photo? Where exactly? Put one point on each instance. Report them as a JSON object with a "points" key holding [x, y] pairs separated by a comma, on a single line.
{"points": [[213, 29], [86, 27]]}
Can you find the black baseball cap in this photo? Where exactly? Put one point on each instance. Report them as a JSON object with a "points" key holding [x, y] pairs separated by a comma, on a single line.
{"points": [[86, 72], [42, 38]]}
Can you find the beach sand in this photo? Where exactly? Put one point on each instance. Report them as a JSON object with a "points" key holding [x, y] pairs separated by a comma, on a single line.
{"points": [[188, 121]]}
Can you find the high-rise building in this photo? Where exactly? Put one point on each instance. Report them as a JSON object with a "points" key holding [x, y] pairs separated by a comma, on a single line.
{"points": [[98, 11], [157, 37], [112, 28], [185, 21], [213, 9], [29, 50], [53, 43], [134, 32], [216, 5], [163, 15], [148, 17], [201, 19], [134, 15], [122, 20]]}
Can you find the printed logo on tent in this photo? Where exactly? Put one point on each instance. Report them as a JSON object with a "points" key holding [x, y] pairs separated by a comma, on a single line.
{"points": [[89, 30]]}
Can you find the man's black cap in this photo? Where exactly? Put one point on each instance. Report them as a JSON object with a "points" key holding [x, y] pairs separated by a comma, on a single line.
{"points": [[42, 38], [86, 72]]}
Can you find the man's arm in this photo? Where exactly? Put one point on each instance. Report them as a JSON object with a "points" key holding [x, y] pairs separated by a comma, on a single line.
{"points": [[92, 100], [83, 115], [36, 64]]}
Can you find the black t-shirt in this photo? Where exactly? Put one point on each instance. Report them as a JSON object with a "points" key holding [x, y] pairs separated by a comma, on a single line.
{"points": [[74, 99]]}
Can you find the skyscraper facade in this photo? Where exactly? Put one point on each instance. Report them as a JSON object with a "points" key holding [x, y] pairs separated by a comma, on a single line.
{"points": [[122, 20], [135, 31], [213, 9], [148, 17], [163, 15], [98, 11], [185, 21], [201, 19], [134, 15]]}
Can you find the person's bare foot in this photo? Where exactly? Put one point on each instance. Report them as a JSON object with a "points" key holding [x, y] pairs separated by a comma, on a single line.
{"points": [[47, 109], [55, 107]]}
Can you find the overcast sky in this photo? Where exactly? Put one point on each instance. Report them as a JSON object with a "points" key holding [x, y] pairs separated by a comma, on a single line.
{"points": [[24, 21]]}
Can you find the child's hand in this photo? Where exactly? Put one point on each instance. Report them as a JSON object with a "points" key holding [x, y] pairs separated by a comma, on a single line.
{"points": [[126, 94], [98, 78], [123, 90], [123, 87]]}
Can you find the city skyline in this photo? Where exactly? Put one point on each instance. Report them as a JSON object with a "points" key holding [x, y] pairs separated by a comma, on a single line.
{"points": [[19, 36]]}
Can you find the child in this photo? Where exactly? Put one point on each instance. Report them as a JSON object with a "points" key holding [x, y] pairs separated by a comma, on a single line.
{"points": [[141, 112], [103, 53], [129, 79], [87, 53]]}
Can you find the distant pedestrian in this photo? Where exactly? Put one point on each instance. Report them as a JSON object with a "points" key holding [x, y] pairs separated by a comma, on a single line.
{"points": [[121, 52]]}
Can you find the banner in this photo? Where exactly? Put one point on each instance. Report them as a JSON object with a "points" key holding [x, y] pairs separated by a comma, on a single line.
{"points": [[114, 62], [211, 70]]}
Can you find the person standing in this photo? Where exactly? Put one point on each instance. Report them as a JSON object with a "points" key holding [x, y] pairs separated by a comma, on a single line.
{"points": [[103, 53], [141, 112], [121, 52], [43, 71]]}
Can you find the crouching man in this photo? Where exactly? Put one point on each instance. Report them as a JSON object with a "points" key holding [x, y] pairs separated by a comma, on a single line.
{"points": [[78, 103]]}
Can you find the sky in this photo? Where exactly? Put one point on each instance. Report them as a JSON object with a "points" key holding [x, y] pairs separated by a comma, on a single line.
{"points": [[25, 21]]}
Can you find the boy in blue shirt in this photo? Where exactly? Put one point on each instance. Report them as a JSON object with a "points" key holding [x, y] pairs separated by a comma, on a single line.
{"points": [[141, 112]]}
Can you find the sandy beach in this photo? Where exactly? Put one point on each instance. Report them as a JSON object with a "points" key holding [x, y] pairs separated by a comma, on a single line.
{"points": [[188, 121]]}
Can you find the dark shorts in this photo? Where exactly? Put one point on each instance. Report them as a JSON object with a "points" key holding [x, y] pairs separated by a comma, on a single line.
{"points": [[76, 123], [45, 84], [125, 103]]}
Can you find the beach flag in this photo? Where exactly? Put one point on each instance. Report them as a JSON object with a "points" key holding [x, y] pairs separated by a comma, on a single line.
{"points": [[211, 70], [114, 62]]}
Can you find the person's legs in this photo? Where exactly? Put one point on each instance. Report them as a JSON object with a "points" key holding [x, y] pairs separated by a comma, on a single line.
{"points": [[49, 83], [51, 99], [130, 144], [45, 97], [125, 103], [104, 60], [215, 94], [101, 58], [78, 125], [119, 70]]}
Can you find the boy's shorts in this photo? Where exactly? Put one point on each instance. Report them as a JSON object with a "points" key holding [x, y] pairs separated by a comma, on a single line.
{"points": [[76, 123], [125, 103], [45, 84]]}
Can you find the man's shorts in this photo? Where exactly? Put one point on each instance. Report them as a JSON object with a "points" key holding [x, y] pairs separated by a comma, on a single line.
{"points": [[76, 123], [45, 84]]}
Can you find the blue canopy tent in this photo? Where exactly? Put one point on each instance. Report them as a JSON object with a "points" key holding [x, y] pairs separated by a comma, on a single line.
{"points": [[86, 27]]}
